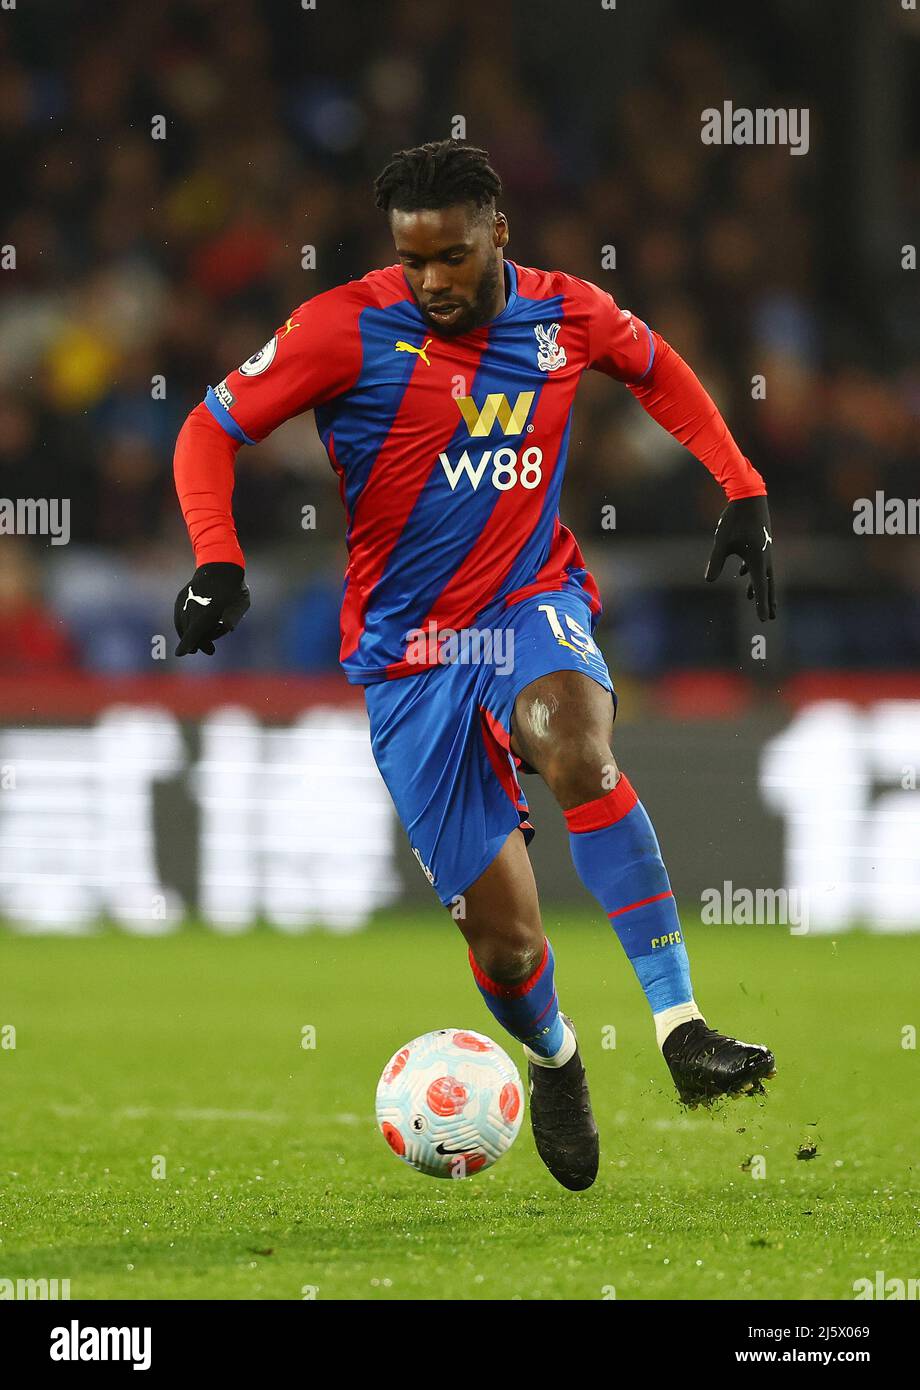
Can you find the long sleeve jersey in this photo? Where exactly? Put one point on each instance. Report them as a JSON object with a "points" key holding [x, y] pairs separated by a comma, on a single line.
{"points": [[450, 451]]}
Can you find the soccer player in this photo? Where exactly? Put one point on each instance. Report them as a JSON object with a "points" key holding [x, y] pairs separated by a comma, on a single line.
{"points": [[443, 389]]}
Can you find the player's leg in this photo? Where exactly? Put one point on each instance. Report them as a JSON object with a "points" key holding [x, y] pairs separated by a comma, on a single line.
{"points": [[456, 794], [453, 784], [514, 968], [562, 726], [511, 959]]}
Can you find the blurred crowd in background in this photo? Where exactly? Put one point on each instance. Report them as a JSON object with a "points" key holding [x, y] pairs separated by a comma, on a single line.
{"points": [[147, 268]]}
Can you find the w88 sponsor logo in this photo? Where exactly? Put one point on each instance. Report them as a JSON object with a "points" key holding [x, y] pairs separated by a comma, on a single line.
{"points": [[508, 468]]}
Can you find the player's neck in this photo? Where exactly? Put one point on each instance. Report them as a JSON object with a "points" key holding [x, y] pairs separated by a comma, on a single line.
{"points": [[501, 293]]}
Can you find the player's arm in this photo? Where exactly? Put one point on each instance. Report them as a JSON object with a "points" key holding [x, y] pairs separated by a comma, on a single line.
{"points": [[667, 388], [314, 356], [216, 597]]}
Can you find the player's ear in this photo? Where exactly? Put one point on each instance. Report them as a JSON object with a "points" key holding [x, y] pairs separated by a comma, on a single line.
{"points": [[500, 230]]}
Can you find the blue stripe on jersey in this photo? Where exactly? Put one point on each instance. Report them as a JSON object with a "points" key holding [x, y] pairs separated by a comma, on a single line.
{"points": [[432, 548], [362, 419], [535, 551], [356, 420], [225, 419], [511, 286], [446, 524]]}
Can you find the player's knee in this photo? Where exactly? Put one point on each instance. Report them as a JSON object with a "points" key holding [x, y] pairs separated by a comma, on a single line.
{"points": [[580, 768], [511, 958]]}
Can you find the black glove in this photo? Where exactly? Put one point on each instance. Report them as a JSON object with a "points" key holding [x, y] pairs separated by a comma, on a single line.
{"points": [[209, 606], [745, 529]]}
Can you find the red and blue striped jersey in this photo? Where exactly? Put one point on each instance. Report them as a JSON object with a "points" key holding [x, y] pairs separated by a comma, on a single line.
{"points": [[450, 451]]}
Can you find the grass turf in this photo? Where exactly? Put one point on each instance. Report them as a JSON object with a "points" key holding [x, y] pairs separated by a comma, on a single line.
{"points": [[277, 1182]]}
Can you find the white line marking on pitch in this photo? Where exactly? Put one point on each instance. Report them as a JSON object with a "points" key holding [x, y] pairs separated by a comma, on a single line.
{"points": [[146, 1112]]}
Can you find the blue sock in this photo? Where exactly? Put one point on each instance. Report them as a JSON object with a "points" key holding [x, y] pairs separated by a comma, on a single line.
{"points": [[529, 1011], [616, 854]]}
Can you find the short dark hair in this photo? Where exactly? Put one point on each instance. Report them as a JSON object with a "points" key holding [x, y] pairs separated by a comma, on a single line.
{"points": [[437, 175]]}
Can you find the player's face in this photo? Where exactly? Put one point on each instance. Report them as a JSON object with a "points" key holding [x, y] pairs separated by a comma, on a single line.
{"points": [[452, 260]]}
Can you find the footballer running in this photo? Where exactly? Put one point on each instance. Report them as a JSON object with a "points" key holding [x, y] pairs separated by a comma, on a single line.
{"points": [[443, 389]]}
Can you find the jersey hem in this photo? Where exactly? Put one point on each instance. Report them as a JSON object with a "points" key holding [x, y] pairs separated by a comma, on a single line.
{"points": [[399, 670]]}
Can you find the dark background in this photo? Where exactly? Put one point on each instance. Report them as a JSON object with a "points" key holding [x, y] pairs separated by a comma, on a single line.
{"points": [[139, 258]]}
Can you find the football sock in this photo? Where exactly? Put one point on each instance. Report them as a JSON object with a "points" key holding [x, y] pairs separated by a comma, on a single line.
{"points": [[616, 853], [559, 1058], [529, 1010], [669, 1019]]}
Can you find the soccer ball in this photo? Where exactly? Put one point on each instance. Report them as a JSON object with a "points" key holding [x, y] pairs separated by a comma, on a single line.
{"points": [[450, 1103]]}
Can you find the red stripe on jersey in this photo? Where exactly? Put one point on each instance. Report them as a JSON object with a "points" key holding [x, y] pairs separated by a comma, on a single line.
{"points": [[516, 513], [564, 554], [390, 286], [399, 473]]}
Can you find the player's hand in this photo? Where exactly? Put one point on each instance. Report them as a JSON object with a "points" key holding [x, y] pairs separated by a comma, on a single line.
{"points": [[745, 530], [209, 606]]}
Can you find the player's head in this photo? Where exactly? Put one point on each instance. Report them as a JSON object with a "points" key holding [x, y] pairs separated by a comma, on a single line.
{"points": [[440, 200]]}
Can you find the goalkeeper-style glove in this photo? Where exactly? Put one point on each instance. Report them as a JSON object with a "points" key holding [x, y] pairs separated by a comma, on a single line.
{"points": [[745, 530], [209, 606]]}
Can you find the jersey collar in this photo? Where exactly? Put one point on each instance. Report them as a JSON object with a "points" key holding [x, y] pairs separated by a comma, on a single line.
{"points": [[510, 293]]}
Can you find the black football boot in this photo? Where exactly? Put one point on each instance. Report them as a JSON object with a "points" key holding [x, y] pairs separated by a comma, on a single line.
{"points": [[562, 1120], [706, 1064]]}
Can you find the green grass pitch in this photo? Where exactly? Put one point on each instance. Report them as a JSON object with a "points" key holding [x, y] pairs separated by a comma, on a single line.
{"points": [[187, 1051]]}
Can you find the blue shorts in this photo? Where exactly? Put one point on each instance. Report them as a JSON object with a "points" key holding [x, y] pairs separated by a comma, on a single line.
{"points": [[441, 739]]}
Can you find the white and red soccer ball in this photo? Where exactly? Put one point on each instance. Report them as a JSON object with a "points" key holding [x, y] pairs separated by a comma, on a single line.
{"points": [[450, 1103]]}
